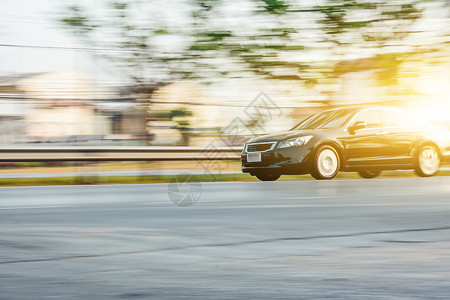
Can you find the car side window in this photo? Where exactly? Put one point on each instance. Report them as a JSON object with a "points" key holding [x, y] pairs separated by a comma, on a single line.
{"points": [[372, 117], [396, 118]]}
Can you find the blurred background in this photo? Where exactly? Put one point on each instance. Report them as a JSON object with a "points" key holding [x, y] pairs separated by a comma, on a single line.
{"points": [[176, 72], [172, 73]]}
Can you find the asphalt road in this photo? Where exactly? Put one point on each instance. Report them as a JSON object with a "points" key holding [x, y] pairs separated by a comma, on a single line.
{"points": [[340, 239]]}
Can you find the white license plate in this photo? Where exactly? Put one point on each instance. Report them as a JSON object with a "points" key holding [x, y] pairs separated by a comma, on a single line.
{"points": [[254, 157]]}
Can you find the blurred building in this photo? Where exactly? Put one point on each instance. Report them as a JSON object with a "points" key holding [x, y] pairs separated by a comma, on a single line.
{"points": [[13, 109], [208, 113], [59, 105], [67, 106]]}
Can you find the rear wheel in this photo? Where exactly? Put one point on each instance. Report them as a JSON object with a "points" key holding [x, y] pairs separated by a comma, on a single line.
{"points": [[369, 174], [427, 161], [326, 163], [267, 176]]}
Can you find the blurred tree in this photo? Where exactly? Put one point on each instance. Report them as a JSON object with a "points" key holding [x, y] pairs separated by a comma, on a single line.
{"points": [[210, 39], [374, 29], [181, 116]]}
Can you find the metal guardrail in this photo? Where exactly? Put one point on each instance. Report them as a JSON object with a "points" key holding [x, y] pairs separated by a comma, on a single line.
{"points": [[117, 153]]}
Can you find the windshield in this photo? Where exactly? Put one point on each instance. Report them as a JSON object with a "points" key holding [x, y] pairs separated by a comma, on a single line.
{"points": [[327, 119]]}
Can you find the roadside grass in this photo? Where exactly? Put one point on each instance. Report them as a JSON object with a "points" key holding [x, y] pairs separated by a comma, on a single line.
{"points": [[114, 166], [77, 180]]}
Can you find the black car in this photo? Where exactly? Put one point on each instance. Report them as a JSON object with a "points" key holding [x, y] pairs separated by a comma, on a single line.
{"points": [[362, 139]]}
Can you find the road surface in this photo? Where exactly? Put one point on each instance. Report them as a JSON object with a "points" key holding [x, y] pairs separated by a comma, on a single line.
{"points": [[340, 239]]}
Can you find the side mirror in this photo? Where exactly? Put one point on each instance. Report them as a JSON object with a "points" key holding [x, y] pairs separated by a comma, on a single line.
{"points": [[357, 125]]}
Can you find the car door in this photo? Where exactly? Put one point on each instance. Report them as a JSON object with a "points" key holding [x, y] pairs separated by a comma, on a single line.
{"points": [[402, 130], [368, 145]]}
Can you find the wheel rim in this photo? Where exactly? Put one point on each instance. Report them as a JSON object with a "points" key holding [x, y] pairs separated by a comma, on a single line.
{"points": [[429, 161], [327, 163]]}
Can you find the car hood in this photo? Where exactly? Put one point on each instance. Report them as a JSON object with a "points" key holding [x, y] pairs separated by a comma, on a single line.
{"points": [[275, 137]]}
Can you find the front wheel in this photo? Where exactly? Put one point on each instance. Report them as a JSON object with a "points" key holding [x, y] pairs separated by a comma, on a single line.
{"points": [[369, 174], [268, 176], [326, 163], [427, 161]]}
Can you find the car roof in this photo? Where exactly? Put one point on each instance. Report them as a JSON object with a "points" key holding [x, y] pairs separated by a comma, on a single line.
{"points": [[365, 106]]}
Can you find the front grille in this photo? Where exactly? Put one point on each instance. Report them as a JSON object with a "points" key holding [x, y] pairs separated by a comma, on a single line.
{"points": [[259, 147]]}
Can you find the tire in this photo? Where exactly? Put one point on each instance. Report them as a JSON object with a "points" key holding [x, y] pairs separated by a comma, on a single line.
{"points": [[369, 174], [268, 176], [427, 161], [326, 163]]}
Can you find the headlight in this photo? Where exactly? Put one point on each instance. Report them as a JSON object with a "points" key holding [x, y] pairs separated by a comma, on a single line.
{"points": [[295, 142]]}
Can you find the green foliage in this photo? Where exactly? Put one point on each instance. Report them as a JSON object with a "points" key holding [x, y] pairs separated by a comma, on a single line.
{"points": [[214, 50], [118, 5], [275, 6], [180, 112], [335, 15], [161, 31], [78, 21]]}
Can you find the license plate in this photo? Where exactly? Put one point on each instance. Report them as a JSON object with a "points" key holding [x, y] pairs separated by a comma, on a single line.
{"points": [[254, 157]]}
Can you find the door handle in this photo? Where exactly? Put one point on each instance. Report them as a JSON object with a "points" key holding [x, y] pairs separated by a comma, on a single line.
{"points": [[381, 132]]}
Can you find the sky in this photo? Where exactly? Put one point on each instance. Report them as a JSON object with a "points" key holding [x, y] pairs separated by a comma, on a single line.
{"points": [[31, 40]]}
